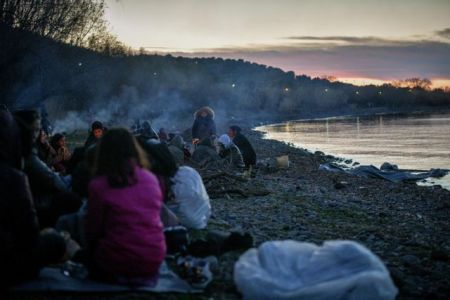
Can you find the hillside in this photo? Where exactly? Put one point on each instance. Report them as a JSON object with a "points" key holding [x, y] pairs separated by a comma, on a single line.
{"points": [[38, 72]]}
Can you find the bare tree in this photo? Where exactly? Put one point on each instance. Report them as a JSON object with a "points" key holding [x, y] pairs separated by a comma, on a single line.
{"points": [[71, 21], [413, 83]]}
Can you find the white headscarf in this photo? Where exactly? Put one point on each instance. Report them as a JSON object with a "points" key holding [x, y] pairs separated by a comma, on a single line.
{"points": [[225, 140]]}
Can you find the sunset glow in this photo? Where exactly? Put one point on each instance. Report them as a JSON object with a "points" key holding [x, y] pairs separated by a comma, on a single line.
{"points": [[360, 42]]}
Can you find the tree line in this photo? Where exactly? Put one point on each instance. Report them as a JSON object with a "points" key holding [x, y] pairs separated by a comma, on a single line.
{"points": [[52, 53]]}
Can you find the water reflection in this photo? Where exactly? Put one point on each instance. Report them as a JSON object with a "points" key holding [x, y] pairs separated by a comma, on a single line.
{"points": [[412, 142]]}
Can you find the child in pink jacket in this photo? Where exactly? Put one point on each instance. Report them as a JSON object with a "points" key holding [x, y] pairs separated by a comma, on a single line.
{"points": [[123, 226]]}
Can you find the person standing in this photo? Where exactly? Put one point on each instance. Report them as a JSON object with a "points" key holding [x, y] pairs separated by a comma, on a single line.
{"points": [[204, 126]]}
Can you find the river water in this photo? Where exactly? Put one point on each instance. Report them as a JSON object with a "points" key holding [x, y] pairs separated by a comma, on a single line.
{"points": [[418, 142]]}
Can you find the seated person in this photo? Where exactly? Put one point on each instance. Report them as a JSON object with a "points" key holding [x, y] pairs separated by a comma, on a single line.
{"points": [[23, 249], [124, 232], [176, 147], [205, 153], [62, 157], [183, 188], [229, 152], [45, 151], [147, 131], [96, 133], [162, 134], [248, 153], [51, 194]]}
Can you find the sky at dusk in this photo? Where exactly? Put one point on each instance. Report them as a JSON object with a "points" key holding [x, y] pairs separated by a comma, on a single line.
{"points": [[359, 41]]}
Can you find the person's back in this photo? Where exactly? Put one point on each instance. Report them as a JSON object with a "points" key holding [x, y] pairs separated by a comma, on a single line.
{"points": [[124, 231], [132, 240]]}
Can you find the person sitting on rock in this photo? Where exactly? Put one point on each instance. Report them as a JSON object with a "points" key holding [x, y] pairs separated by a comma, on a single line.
{"points": [[229, 152], [96, 133], [62, 157], [248, 153], [204, 126]]}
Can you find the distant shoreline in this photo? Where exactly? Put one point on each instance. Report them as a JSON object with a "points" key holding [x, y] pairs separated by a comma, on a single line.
{"points": [[356, 115], [341, 159]]}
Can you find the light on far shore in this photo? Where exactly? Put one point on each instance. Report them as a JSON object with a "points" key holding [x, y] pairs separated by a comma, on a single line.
{"points": [[286, 89], [233, 85]]}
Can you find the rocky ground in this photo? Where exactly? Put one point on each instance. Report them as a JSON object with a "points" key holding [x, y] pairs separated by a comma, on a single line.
{"points": [[406, 225]]}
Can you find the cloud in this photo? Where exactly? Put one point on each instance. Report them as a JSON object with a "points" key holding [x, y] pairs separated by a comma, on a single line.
{"points": [[389, 61], [372, 40], [347, 56]]}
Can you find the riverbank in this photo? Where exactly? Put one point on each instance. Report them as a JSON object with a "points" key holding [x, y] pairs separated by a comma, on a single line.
{"points": [[406, 225]]}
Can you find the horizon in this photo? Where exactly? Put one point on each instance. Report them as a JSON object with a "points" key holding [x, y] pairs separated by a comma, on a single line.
{"points": [[358, 42]]}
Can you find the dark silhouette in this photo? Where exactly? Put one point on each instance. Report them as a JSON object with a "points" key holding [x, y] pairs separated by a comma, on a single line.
{"points": [[248, 153], [24, 251], [204, 126]]}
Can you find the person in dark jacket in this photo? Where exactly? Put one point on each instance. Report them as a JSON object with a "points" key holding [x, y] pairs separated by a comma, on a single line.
{"points": [[147, 131], [204, 126], [23, 249], [248, 153], [51, 194], [45, 151], [95, 134]]}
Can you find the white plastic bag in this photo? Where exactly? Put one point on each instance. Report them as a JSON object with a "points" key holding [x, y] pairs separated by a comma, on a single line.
{"points": [[191, 204], [295, 270]]}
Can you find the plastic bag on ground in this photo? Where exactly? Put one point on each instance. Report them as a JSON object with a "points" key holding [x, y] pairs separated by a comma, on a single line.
{"points": [[191, 204], [295, 270]]}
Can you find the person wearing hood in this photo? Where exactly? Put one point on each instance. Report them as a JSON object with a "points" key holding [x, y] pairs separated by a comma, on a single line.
{"points": [[204, 126], [229, 152], [23, 249]]}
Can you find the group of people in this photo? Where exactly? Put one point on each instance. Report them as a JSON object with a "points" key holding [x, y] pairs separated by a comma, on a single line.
{"points": [[120, 181], [232, 148]]}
